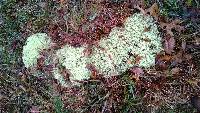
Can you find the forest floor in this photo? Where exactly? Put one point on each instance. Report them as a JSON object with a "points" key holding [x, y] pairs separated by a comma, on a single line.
{"points": [[171, 86]]}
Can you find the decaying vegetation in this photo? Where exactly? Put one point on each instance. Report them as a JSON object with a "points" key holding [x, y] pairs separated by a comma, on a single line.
{"points": [[166, 87]]}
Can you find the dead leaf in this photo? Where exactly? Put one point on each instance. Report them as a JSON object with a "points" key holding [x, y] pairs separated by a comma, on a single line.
{"points": [[154, 11], [138, 59], [93, 70], [146, 39], [135, 77], [173, 24], [169, 44], [146, 29], [166, 57]]}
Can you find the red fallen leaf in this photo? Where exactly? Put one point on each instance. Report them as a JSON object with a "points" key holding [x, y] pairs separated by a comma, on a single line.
{"points": [[93, 70], [169, 44]]}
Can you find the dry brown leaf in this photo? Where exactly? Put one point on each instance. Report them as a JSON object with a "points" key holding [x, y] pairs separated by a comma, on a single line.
{"points": [[166, 58], [154, 11], [138, 59], [169, 26], [169, 43], [135, 77]]}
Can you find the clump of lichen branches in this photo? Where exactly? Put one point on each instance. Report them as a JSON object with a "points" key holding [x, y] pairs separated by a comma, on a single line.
{"points": [[169, 84]]}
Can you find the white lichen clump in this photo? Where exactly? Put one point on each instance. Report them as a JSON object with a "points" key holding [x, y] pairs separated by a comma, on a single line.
{"points": [[137, 43], [139, 37], [73, 59], [34, 45]]}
